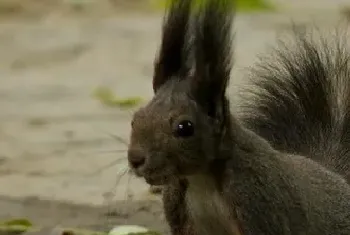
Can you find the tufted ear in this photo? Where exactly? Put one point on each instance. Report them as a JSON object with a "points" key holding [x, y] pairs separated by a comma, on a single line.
{"points": [[213, 52], [174, 50]]}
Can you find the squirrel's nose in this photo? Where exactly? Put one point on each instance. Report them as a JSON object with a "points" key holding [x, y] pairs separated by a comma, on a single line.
{"points": [[136, 159]]}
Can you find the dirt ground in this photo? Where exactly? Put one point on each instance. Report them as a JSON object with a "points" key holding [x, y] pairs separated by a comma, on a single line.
{"points": [[56, 138]]}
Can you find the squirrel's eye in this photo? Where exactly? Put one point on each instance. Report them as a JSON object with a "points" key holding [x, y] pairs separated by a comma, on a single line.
{"points": [[185, 129]]}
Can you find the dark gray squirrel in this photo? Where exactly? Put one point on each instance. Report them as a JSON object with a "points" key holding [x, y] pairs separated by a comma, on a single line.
{"points": [[279, 166]]}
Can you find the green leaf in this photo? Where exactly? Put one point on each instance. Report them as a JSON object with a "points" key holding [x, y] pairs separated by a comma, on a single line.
{"points": [[108, 98], [242, 5], [18, 222]]}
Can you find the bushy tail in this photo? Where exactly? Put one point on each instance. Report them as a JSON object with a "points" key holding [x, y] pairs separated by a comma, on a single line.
{"points": [[301, 100]]}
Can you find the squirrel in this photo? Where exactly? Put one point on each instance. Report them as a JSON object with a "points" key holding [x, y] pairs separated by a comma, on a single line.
{"points": [[279, 167]]}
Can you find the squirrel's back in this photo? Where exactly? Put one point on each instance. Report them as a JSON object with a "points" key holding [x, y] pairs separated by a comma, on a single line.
{"points": [[300, 100]]}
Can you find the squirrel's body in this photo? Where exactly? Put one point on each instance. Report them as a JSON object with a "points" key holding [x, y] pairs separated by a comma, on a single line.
{"points": [[277, 168], [207, 207], [272, 193]]}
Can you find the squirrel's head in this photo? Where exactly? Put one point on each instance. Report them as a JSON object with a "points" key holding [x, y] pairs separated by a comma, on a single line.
{"points": [[178, 132]]}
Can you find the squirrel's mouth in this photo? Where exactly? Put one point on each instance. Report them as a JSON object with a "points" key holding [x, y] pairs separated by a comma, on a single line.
{"points": [[151, 178], [156, 176], [156, 180], [155, 172]]}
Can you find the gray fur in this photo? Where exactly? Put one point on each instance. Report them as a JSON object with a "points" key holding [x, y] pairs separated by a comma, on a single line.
{"points": [[226, 179]]}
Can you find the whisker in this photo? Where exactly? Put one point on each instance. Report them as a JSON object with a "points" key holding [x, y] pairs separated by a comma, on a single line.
{"points": [[114, 136], [119, 139], [129, 171], [113, 151], [128, 192], [120, 175], [117, 151], [110, 195], [103, 168]]}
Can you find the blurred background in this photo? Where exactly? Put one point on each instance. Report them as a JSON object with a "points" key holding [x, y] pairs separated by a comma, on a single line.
{"points": [[71, 74]]}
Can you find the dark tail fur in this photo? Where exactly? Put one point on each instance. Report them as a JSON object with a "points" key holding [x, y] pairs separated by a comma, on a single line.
{"points": [[301, 100]]}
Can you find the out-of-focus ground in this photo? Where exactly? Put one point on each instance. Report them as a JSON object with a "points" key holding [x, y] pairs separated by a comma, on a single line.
{"points": [[56, 137]]}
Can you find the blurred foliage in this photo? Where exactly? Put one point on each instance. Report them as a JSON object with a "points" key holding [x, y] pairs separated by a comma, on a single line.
{"points": [[107, 97], [21, 226], [19, 221], [35, 8], [242, 5], [254, 5], [15, 226]]}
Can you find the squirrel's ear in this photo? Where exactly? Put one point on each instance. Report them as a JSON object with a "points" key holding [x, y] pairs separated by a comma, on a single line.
{"points": [[174, 50], [213, 52]]}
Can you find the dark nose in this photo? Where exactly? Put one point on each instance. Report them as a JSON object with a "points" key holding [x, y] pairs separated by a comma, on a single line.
{"points": [[136, 159]]}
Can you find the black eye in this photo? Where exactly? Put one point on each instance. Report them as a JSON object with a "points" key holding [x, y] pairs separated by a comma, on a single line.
{"points": [[184, 129]]}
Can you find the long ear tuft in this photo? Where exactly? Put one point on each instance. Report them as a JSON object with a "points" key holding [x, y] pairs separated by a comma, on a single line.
{"points": [[174, 48], [213, 49]]}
